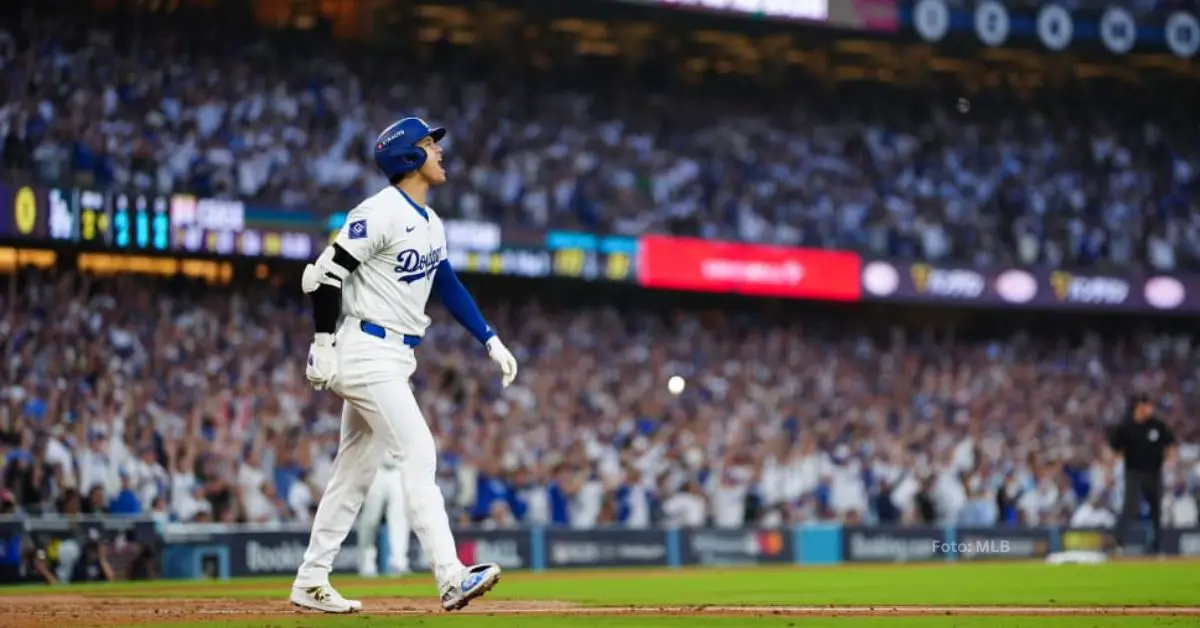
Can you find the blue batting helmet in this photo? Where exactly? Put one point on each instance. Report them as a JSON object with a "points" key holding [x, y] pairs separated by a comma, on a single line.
{"points": [[396, 150]]}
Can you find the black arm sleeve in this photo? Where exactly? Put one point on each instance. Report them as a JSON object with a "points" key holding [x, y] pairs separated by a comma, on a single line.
{"points": [[327, 299], [327, 307], [1116, 437]]}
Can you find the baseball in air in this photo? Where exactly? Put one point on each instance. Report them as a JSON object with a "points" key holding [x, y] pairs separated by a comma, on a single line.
{"points": [[675, 384]]}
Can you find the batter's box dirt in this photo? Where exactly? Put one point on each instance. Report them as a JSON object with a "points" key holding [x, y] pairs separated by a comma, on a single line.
{"points": [[78, 611]]}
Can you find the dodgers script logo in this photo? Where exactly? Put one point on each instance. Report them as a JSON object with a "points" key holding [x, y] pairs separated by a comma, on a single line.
{"points": [[413, 265]]}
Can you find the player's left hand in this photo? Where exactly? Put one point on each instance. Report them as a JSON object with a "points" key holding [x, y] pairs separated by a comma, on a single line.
{"points": [[504, 359]]}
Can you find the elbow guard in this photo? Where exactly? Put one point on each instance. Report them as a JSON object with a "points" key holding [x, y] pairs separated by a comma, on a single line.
{"points": [[310, 280], [325, 271]]}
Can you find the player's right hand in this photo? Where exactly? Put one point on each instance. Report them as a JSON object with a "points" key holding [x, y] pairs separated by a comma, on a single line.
{"points": [[322, 362]]}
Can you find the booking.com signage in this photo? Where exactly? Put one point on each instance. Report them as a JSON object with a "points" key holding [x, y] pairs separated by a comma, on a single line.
{"points": [[1118, 29], [228, 551]]}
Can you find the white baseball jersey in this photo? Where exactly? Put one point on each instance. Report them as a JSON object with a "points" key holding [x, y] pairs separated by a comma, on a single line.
{"points": [[399, 245]]}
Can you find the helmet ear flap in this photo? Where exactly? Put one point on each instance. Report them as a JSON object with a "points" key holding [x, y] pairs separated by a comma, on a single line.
{"points": [[415, 157]]}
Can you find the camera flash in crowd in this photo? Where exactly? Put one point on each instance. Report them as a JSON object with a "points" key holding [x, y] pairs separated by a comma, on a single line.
{"points": [[675, 384]]}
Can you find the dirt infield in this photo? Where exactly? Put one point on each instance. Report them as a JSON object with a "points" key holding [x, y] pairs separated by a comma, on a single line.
{"points": [[93, 612]]}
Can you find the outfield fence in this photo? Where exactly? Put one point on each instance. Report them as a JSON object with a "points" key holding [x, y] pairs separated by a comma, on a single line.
{"points": [[219, 551]]}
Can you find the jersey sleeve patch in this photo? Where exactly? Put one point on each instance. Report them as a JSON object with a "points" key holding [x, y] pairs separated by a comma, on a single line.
{"points": [[357, 229]]}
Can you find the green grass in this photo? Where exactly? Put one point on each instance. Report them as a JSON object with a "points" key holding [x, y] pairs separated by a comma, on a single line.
{"points": [[1010, 584], [365, 621], [1128, 584]]}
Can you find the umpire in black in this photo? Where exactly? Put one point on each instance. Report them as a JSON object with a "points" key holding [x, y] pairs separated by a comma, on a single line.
{"points": [[1146, 443]]}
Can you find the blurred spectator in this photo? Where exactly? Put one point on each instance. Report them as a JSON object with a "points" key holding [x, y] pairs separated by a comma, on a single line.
{"points": [[1180, 509], [926, 505], [93, 565], [1008, 499], [96, 503], [126, 502], [979, 511], [143, 563], [490, 490], [686, 509], [635, 502], [36, 567], [560, 493], [1093, 514], [499, 518], [886, 512]]}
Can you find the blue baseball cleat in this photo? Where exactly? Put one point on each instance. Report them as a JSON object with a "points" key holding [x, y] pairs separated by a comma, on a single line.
{"points": [[474, 582]]}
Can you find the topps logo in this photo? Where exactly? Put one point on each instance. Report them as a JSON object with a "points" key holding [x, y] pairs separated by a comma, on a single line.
{"points": [[1098, 290], [1091, 290], [951, 283]]}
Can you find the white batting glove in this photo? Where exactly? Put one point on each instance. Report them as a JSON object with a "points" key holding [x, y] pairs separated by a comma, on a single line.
{"points": [[322, 362], [504, 359]]}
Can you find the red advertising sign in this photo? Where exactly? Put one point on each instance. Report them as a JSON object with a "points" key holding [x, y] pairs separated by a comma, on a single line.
{"points": [[707, 266]]}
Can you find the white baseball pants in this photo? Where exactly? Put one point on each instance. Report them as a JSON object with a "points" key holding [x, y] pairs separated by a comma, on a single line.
{"points": [[385, 495], [380, 418]]}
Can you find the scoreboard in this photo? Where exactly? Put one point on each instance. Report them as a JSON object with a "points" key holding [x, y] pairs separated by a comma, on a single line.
{"points": [[114, 220], [206, 225], [24, 212], [287, 244], [591, 263], [142, 222], [147, 225], [124, 221], [586, 256], [224, 227]]}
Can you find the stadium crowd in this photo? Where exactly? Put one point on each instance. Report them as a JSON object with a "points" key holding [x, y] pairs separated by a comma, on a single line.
{"points": [[187, 402], [928, 175]]}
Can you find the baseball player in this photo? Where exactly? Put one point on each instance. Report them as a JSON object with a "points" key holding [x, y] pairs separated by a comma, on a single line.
{"points": [[377, 276], [386, 492]]}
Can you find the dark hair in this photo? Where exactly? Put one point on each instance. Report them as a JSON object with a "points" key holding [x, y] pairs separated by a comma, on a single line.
{"points": [[1135, 401]]}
